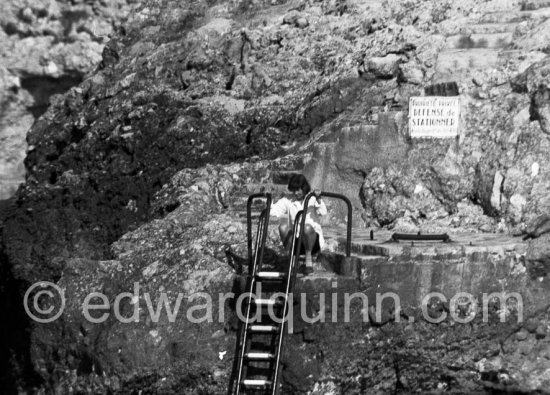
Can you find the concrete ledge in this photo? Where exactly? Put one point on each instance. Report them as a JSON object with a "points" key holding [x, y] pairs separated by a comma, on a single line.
{"points": [[461, 245], [472, 262], [325, 281]]}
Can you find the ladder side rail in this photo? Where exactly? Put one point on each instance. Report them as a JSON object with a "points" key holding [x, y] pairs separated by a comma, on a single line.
{"points": [[233, 387], [289, 287], [263, 223], [249, 223], [260, 241], [264, 232], [260, 237]]}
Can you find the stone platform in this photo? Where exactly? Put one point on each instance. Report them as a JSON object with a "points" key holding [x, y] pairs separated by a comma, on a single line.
{"points": [[473, 263], [460, 244]]}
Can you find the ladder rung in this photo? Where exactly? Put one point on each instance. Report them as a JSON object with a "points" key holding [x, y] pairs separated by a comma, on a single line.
{"points": [[263, 328], [256, 383], [267, 302], [270, 275], [259, 355]]}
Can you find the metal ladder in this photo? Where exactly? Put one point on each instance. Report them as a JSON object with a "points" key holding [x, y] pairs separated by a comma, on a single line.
{"points": [[260, 340]]}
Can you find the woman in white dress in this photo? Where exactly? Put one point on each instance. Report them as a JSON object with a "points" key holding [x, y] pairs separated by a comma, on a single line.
{"points": [[286, 209]]}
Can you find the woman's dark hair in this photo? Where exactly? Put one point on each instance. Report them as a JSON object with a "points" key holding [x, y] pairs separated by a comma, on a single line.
{"points": [[297, 182]]}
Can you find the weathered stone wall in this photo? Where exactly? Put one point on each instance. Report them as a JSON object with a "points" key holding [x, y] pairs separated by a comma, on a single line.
{"points": [[493, 164], [342, 165]]}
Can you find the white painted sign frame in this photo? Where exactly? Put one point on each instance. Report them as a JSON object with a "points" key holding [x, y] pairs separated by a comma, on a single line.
{"points": [[434, 116]]}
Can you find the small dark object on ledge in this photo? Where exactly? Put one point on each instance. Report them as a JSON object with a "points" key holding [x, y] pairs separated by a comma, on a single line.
{"points": [[419, 237]]}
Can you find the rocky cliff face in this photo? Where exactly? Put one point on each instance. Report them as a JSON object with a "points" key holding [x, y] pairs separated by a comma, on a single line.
{"points": [[134, 175], [46, 47]]}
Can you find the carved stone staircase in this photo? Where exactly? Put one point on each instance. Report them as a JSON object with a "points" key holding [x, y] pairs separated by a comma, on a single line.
{"points": [[273, 179], [487, 42]]}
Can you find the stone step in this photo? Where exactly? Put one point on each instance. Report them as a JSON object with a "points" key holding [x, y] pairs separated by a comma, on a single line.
{"points": [[290, 163], [360, 249], [463, 63], [515, 16], [490, 40], [281, 177], [489, 28], [535, 5], [499, 5], [273, 188], [242, 199], [369, 260], [322, 281], [241, 217]]}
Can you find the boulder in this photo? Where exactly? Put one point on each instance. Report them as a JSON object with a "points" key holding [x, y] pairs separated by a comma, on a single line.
{"points": [[517, 204], [385, 66], [296, 19], [411, 72], [533, 81], [538, 256]]}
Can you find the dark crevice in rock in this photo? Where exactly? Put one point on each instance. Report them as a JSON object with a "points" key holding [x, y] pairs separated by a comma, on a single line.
{"points": [[533, 113], [398, 385], [483, 190], [229, 84], [11, 30], [442, 89], [70, 17], [168, 208], [15, 342], [540, 101], [86, 29], [42, 88], [53, 177], [109, 56], [77, 134]]}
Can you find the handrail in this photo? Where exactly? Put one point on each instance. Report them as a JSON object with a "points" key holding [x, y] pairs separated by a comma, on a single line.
{"points": [[336, 196], [294, 252], [255, 262]]}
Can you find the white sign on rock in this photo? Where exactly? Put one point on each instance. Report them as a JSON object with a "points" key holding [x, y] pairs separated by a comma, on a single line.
{"points": [[434, 116]]}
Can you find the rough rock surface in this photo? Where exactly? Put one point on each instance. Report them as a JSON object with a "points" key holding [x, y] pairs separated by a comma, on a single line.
{"points": [[46, 47], [136, 174]]}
